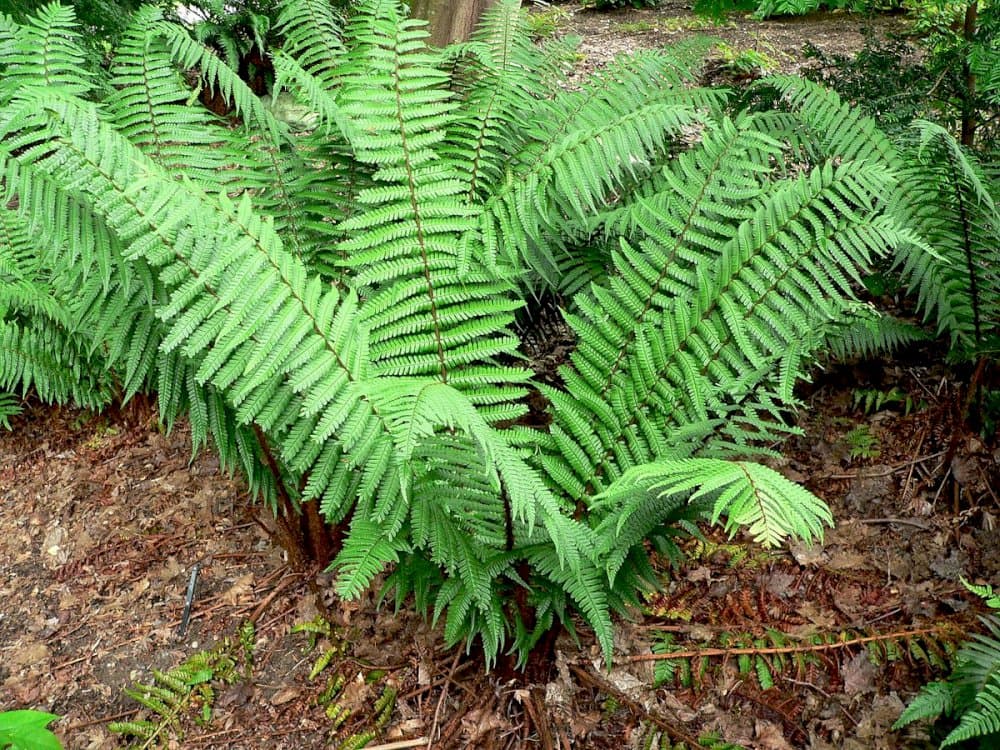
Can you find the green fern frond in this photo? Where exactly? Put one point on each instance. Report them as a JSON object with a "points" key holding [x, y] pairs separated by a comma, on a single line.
{"points": [[496, 77], [980, 721], [311, 89], [46, 51], [311, 31], [746, 494], [833, 128], [365, 554], [191, 54], [984, 592], [53, 363], [431, 308], [866, 332], [25, 283], [703, 361], [971, 693], [10, 406], [152, 106], [950, 204], [586, 147]]}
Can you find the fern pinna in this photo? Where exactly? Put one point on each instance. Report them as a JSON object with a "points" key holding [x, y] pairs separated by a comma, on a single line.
{"points": [[335, 307]]}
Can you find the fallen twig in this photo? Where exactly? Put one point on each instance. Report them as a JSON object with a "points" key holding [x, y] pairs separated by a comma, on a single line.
{"points": [[441, 700], [399, 744], [800, 649], [885, 472], [903, 521]]}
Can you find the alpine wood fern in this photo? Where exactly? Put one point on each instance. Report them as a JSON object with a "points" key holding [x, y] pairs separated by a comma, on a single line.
{"points": [[334, 307]]}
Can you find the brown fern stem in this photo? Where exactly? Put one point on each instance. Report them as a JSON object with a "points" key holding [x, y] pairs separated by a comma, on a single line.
{"points": [[897, 635]]}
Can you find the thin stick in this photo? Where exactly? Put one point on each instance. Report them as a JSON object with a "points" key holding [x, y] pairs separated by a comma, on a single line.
{"points": [[437, 683], [102, 720], [913, 465], [904, 521], [400, 744], [283, 584], [441, 700], [887, 472]]}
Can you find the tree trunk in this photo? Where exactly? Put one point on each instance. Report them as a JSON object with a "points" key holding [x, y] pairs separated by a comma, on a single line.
{"points": [[451, 20], [969, 28]]}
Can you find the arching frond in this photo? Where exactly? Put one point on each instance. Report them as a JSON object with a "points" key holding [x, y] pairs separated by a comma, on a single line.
{"points": [[951, 205]]}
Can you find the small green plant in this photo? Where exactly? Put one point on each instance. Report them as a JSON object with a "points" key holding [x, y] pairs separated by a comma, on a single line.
{"points": [[871, 400], [653, 737], [546, 23], [764, 657], [338, 713], [862, 443], [746, 63], [185, 690], [27, 730], [971, 694], [692, 23]]}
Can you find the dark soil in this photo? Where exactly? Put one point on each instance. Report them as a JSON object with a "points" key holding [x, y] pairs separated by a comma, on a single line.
{"points": [[102, 519]]}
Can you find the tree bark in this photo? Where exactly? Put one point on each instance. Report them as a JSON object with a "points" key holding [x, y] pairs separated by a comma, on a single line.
{"points": [[450, 20], [969, 27]]}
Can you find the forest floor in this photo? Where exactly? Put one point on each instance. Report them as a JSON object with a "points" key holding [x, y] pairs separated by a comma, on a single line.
{"points": [[104, 517]]}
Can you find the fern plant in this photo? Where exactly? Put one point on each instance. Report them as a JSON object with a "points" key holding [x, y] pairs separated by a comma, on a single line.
{"points": [[187, 689], [951, 201], [971, 694], [335, 308]]}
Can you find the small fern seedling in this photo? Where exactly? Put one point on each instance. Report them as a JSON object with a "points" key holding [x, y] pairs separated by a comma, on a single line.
{"points": [[172, 694]]}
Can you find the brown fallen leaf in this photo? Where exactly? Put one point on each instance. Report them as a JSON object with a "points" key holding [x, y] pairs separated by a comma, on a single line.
{"points": [[769, 737], [241, 587], [282, 696], [859, 675]]}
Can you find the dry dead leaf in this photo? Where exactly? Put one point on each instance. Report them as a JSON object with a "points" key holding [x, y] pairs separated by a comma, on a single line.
{"points": [[241, 587], [170, 570], [780, 583], [806, 554], [843, 559], [283, 696], [30, 653], [817, 616], [701, 573], [769, 737], [859, 675], [478, 723]]}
